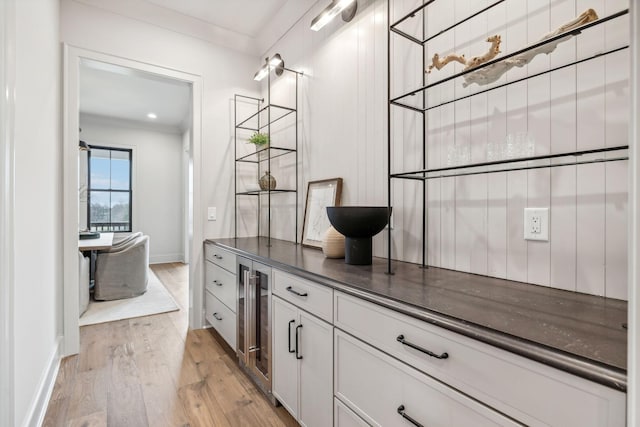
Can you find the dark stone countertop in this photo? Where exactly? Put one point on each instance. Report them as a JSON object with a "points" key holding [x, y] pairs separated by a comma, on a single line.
{"points": [[580, 334]]}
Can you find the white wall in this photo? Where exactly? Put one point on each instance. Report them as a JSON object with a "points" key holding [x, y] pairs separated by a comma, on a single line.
{"points": [[224, 72], [38, 211], [475, 224], [157, 180]]}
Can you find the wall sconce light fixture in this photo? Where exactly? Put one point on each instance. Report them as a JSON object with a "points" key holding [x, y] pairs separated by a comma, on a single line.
{"points": [[275, 62], [346, 7]]}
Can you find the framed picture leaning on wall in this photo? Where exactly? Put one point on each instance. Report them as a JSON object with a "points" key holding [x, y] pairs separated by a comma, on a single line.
{"points": [[320, 194]]}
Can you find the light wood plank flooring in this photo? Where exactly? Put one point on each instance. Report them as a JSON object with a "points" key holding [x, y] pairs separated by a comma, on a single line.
{"points": [[152, 371]]}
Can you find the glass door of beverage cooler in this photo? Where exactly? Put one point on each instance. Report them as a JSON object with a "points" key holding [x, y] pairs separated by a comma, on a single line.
{"points": [[254, 320], [244, 271], [260, 350]]}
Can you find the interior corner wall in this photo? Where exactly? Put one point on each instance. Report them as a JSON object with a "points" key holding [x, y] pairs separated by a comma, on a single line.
{"points": [[341, 103], [38, 209], [474, 224], [157, 180], [224, 72]]}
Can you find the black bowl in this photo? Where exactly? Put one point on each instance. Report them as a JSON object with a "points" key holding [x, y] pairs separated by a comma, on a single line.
{"points": [[358, 224]]}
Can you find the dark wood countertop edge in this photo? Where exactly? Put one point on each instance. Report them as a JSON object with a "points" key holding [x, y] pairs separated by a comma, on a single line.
{"points": [[600, 373]]}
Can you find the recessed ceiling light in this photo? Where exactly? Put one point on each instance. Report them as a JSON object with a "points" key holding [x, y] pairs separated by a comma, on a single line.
{"points": [[152, 116]]}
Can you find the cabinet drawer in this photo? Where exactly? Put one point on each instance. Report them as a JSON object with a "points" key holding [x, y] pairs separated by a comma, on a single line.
{"points": [[315, 298], [514, 385], [221, 318], [222, 284], [221, 257], [378, 388], [345, 417]]}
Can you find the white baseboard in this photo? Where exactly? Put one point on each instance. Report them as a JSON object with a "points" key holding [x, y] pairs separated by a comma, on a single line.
{"points": [[164, 258], [38, 408]]}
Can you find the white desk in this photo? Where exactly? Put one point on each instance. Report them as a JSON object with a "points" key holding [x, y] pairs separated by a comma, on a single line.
{"points": [[105, 241]]}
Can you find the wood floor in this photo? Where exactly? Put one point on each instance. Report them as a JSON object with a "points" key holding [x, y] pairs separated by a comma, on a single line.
{"points": [[152, 371]]}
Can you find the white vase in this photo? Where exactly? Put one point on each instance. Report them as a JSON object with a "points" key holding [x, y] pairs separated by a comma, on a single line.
{"points": [[333, 244]]}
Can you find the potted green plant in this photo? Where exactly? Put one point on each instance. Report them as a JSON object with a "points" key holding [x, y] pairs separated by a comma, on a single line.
{"points": [[260, 140]]}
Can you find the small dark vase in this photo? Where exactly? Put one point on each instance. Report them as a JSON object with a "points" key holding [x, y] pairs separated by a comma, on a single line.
{"points": [[358, 224], [267, 182]]}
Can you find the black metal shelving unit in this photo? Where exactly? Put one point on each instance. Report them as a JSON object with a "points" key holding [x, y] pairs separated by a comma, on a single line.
{"points": [[604, 154], [254, 122]]}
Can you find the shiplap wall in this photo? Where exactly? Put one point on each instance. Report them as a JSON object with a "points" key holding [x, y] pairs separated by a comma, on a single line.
{"points": [[475, 223]]}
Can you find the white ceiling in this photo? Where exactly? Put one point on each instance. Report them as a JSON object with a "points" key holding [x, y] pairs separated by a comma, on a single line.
{"points": [[246, 17], [122, 93], [250, 26]]}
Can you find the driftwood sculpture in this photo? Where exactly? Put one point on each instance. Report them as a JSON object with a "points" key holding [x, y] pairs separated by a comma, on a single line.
{"points": [[493, 51], [493, 72]]}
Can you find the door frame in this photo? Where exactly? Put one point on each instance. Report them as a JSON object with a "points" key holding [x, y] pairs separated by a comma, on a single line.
{"points": [[7, 186], [71, 75], [633, 335]]}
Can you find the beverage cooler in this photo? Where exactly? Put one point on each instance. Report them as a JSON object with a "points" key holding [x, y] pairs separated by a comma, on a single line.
{"points": [[254, 321]]}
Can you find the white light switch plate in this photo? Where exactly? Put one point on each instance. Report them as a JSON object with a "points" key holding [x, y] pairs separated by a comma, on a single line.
{"points": [[211, 214], [536, 224]]}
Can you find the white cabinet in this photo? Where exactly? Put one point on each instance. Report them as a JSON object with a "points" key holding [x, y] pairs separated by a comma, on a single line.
{"points": [[345, 417], [221, 283], [221, 257], [527, 391], [285, 364], [309, 296], [302, 364], [220, 292], [386, 392]]}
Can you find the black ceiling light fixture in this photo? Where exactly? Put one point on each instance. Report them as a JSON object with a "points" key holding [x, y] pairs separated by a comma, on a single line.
{"points": [[274, 63], [347, 8]]}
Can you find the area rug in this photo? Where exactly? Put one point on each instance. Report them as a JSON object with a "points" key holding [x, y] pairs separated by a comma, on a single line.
{"points": [[156, 300]]}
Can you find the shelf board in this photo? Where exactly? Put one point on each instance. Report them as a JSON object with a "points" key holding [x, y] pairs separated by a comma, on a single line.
{"points": [[280, 110], [263, 192], [517, 164], [267, 153], [398, 100], [394, 27], [510, 82]]}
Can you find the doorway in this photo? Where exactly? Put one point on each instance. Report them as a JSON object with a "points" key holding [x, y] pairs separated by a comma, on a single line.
{"points": [[188, 237]]}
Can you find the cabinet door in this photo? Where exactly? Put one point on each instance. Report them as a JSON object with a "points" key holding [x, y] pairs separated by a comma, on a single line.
{"points": [[385, 392], [221, 318], [221, 283], [315, 340], [345, 417], [285, 365]]}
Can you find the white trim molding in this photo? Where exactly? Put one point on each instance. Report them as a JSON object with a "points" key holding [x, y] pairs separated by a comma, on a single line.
{"points": [[72, 58], [7, 110], [633, 355], [38, 408]]}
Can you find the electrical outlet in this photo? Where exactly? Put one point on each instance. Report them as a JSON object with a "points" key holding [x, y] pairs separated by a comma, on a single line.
{"points": [[212, 214], [536, 224]]}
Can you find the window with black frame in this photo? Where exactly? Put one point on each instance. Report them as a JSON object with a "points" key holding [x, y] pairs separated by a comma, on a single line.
{"points": [[110, 195]]}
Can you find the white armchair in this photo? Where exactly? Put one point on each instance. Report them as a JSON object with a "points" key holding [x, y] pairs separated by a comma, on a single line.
{"points": [[122, 272], [123, 240], [83, 282]]}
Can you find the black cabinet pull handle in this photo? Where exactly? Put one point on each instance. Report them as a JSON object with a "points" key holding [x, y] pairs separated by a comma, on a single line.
{"points": [[298, 356], [217, 283], [401, 340], [407, 417], [293, 291], [216, 256], [291, 322], [216, 316]]}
